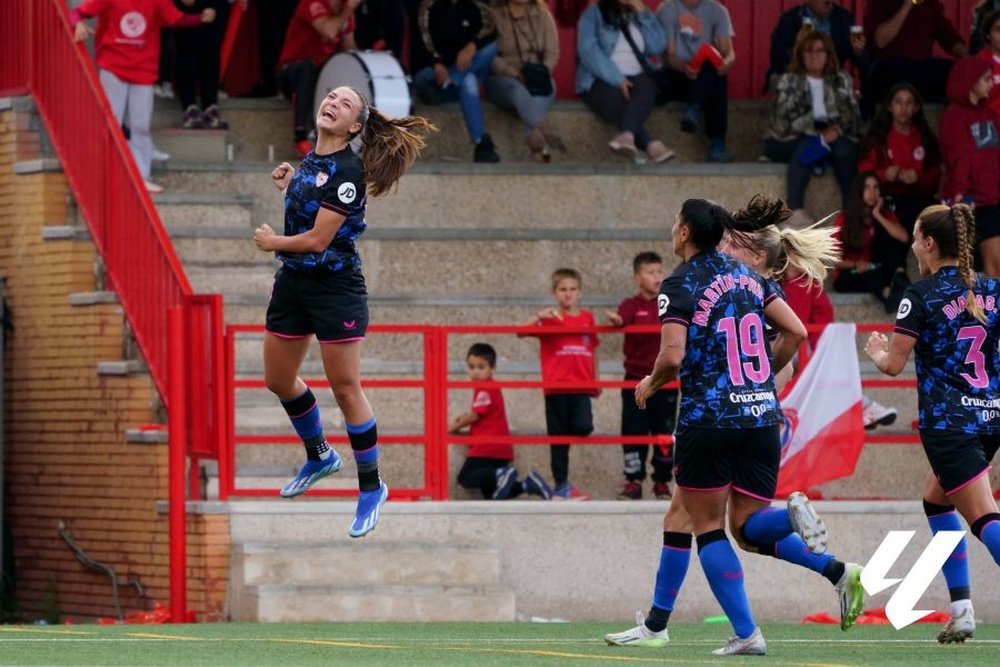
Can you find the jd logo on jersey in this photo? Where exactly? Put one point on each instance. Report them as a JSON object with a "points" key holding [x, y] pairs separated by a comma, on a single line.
{"points": [[899, 609], [347, 192]]}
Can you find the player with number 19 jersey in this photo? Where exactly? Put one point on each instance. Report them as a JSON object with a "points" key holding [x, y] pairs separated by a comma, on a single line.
{"points": [[726, 379], [956, 355]]}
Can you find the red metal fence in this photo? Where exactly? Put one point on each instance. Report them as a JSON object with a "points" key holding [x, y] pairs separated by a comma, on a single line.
{"points": [[435, 382]]}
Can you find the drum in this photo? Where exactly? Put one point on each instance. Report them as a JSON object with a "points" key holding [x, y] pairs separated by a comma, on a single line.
{"points": [[377, 74]]}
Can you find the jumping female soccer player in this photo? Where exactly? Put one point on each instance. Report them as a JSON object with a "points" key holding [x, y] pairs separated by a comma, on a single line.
{"points": [[950, 318], [319, 289], [769, 252]]}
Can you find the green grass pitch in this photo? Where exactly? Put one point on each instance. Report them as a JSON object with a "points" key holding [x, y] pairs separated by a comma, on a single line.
{"points": [[477, 644]]}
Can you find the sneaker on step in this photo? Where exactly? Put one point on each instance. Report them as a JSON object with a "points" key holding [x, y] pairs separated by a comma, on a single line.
{"points": [[192, 120], [506, 479], [303, 148], [852, 595], [717, 152], [960, 627], [876, 414], [566, 492], [159, 156], [638, 636], [485, 151], [310, 473], [212, 118], [752, 645], [152, 188], [631, 491], [658, 152], [662, 491], [366, 516], [536, 485], [807, 523], [624, 145]]}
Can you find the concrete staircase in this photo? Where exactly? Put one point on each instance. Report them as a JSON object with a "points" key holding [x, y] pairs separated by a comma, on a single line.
{"points": [[382, 581]]}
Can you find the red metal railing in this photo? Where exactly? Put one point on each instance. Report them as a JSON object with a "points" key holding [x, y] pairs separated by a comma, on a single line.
{"points": [[435, 384], [38, 56]]}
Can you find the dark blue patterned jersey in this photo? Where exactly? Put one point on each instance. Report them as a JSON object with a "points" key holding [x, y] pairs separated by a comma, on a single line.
{"points": [[956, 355], [726, 379], [335, 182]]}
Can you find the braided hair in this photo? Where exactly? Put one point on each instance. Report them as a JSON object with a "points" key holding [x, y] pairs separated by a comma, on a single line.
{"points": [[953, 228]]}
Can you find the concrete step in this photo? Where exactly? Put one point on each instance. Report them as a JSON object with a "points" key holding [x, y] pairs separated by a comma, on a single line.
{"points": [[608, 196], [308, 603], [191, 145], [382, 563], [254, 125], [185, 211]]}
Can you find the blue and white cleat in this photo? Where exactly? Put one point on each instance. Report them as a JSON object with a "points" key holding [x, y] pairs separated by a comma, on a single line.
{"points": [[310, 473], [369, 504]]}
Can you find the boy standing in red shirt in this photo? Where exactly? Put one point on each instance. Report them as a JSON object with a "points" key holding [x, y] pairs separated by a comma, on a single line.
{"points": [[486, 465], [660, 414], [566, 357], [128, 57]]}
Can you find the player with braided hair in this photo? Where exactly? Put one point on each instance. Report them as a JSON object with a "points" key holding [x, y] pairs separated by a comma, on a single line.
{"points": [[950, 320]]}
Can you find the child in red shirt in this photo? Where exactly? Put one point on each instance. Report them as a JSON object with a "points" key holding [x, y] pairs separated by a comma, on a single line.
{"points": [[903, 152], [128, 57], [640, 350], [565, 358], [486, 465]]}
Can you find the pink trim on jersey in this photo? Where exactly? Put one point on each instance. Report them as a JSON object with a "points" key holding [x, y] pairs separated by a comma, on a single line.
{"points": [[906, 332], [678, 320], [714, 488], [770, 297], [341, 340], [752, 495], [290, 337], [962, 486]]}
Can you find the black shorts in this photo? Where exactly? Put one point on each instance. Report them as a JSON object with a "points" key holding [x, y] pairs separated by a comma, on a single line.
{"points": [[958, 458], [569, 414], [987, 222], [711, 459], [334, 306]]}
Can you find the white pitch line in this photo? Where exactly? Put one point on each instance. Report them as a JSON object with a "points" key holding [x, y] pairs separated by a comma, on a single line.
{"points": [[452, 642]]}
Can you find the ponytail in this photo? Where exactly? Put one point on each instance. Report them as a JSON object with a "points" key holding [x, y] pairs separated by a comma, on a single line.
{"points": [[812, 250], [965, 230], [388, 145]]}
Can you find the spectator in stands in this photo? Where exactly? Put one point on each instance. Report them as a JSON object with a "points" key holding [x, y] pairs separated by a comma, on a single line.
{"points": [[971, 152], [461, 38], [874, 245], [698, 58], [977, 37], [273, 17], [902, 151], [319, 28], [128, 55], [991, 54], [381, 24], [527, 51], [487, 464], [566, 357], [614, 77], [901, 35], [813, 306], [822, 15], [197, 59], [814, 119]]}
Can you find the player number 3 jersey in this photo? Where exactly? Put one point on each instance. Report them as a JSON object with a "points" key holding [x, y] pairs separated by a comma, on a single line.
{"points": [[956, 355], [335, 182], [726, 379]]}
